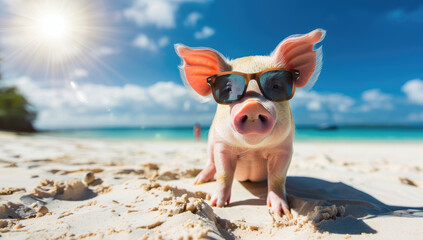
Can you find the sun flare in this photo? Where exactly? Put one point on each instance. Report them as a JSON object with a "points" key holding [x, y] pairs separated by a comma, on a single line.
{"points": [[53, 27], [57, 29], [52, 35]]}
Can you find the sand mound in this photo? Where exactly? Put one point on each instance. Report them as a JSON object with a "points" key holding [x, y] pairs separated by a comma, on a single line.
{"points": [[190, 218], [202, 225], [10, 190], [131, 171], [316, 211], [178, 174], [69, 190], [66, 172], [178, 192], [178, 205], [16, 211]]}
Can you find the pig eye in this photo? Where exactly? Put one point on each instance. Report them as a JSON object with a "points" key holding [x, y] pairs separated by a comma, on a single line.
{"points": [[277, 84], [229, 87]]}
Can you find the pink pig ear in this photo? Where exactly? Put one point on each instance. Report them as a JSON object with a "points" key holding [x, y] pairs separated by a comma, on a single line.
{"points": [[297, 52], [198, 64]]}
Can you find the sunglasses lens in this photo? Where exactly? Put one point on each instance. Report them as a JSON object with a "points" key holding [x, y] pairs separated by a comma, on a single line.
{"points": [[277, 85], [229, 88]]}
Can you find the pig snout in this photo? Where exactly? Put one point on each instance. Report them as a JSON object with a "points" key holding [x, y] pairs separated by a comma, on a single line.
{"points": [[252, 118]]}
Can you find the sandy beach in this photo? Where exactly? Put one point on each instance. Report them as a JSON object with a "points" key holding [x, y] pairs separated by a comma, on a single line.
{"points": [[52, 188]]}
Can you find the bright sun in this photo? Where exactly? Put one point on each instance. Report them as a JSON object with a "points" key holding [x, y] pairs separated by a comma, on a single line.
{"points": [[54, 37], [56, 29], [52, 31], [53, 27]]}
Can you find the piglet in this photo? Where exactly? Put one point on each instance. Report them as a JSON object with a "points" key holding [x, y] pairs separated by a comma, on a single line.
{"points": [[251, 136]]}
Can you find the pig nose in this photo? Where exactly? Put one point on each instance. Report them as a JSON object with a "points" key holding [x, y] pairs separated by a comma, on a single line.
{"points": [[253, 118]]}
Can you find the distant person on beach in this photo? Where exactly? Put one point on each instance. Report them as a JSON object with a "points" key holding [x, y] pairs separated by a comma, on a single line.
{"points": [[197, 132]]}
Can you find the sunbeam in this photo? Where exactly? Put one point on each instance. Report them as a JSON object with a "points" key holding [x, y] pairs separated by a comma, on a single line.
{"points": [[52, 37]]}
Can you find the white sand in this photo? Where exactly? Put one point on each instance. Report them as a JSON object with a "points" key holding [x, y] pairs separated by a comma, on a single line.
{"points": [[336, 191]]}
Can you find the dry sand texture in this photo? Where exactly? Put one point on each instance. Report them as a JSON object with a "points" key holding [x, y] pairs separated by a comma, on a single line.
{"points": [[73, 189]]}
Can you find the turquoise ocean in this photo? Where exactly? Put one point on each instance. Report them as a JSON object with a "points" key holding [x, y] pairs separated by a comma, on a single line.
{"points": [[347, 133]]}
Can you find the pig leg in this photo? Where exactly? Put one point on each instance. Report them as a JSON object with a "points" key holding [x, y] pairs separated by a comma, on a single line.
{"points": [[225, 166], [207, 174], [277, 166]]}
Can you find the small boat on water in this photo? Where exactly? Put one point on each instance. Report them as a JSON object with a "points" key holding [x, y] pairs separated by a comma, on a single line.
{"points": [[327, 127]]}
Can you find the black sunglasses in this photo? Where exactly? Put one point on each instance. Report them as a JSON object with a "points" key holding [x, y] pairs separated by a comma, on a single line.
{"points": [[276, 84]]}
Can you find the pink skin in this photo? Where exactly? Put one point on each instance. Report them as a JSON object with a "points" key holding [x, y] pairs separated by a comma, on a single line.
{"points": [[252, 118], [276, 197], [259, 164], [267, 162], [251, 139]]}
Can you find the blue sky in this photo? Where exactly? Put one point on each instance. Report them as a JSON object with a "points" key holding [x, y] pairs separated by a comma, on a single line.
{"points": [[127, 73]]}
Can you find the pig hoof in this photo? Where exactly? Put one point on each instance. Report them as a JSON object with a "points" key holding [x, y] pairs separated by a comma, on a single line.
{"points": [[206, 175], [220, 200], [278, 204]]}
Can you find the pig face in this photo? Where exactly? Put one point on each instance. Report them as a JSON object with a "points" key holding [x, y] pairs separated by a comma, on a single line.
{"points": [[253, 121]]}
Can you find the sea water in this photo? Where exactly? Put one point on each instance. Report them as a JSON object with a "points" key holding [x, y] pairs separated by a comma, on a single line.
{"points": [[373, 133]]}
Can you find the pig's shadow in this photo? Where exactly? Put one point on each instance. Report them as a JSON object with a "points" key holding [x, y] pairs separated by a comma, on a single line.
{"points": [[305, 191]]}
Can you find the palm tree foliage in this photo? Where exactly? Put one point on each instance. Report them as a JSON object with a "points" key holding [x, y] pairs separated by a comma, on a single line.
{"points": [[16, 113]]}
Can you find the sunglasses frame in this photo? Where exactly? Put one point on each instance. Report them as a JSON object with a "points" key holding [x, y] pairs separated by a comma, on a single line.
{"points": [[254, 76]]}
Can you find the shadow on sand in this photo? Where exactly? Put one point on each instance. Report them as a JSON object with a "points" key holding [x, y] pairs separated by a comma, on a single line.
{"points": [[305, 193]]}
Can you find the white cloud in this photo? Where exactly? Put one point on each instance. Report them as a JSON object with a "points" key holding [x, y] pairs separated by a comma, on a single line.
{"points": [[414, 91], [93, 105], [315, 101], [161, 13], [163, 41], [144, 42], [158, 12], [187, 105], [416, 117], [83, 104], [204, 33], [80, 73], [314, 106], [192, 19], [375, 95], [406, 15], [375, 99], [105, 51]]}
